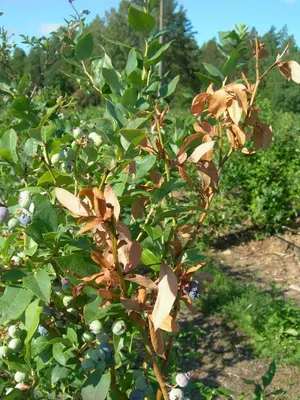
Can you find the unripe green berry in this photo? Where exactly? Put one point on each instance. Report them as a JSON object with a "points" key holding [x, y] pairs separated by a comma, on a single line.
{"points": [[96, 138], [68, 300], [101, 365], [103, 337], [119, 327], [70, 154], [16, 260], [67, 166], [20, 377], [5, 351], [96, 354], [88, 364], [13, 223], [96, 327], [55, 159], [149, 392], [63, 155], [15, 345], [24, 199], [14, 332], [77, 133], [88, 336]]}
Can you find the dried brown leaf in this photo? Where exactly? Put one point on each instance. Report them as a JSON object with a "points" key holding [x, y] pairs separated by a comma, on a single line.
{"points": [[239, 134], [290, 70], [142, 295], [89, 226], [167, 292], [99, 259], [252, 116], [200, 151], [72, 203], [199, 103], [208, 174], [207, 156], [156, 340], [111, 198], [142, 281], [187, 141]]}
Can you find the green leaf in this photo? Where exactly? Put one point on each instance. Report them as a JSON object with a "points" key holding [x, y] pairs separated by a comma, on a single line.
{"points": [[112, 79], [59, 373], [129, 97], [156, 52], [40, 285], [8, 146], [96, 387], [44, 218], [166, 188], [132, 136], [169, 88], [214, 71], [143, 165], [292, 332], [154, 233], [21, 103], [231, 64], [132, 62], [84, 47], [148, 258], [61, 353], [14, 395], [80, 266], [116, 113], [72, 335], [38, 345], [92, 312], [269, 375], [139, 20], [17, 363], [13, 303], [32, 319]]}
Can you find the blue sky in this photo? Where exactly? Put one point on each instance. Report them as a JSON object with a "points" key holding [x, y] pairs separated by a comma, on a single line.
{"points": [[39, 17]]}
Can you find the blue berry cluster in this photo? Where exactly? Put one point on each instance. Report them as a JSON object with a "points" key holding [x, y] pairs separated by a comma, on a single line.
{"points": [[193, 290]]}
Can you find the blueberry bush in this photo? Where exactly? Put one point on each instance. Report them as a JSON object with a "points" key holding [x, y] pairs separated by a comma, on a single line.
{"points": [[101, 214]]}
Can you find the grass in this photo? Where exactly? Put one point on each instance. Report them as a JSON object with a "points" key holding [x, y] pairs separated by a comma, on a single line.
{"points": [[271, 322]]}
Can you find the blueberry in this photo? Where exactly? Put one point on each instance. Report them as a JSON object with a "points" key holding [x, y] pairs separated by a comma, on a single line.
{"points": [[66, 285], [176, 394], [88, 364], [119, 327], [96, 354], [96, 327], [4, 213], [107, 348], [25, 218], [149, 392], [24, 199], [136, 395], [42, 331], [103, 337], [20, 377], [141, 383], [182, 380]]}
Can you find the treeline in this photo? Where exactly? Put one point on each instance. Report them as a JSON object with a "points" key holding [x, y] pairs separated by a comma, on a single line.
{"points": [[184, 57]]}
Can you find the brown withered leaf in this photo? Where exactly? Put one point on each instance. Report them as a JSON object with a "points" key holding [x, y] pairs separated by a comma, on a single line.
{"points": [[207, 156], [101, 236], [72, 203], [169, 324], [184, 174], [181, 159], [142, 281], [188, 302], [247, 151], [252, 116], [199, 103], [167, 292], [200, 151], [142, 295], [132, 304], [130, 168], [105, 294], [157, 340], [208, 174], [204, 276], [210, 89], [262, 136], [290, 70], [186, 142], [239, 134], [193, 269], [231, 138], [146, 145], [137, 319], [89, 226], [156, 178], [99, 259], [135, 254], [218, 103], [111, 198], [99, 203], [137, 207]]}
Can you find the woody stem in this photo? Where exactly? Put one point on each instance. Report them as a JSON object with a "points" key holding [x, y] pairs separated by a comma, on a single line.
{"points": [[114, 240]]}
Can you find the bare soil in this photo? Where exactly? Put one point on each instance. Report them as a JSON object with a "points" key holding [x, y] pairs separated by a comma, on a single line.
{"points": [[225, 355]]}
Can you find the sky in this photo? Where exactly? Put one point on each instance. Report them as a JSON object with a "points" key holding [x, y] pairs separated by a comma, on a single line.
{"points": [[39, 17]]}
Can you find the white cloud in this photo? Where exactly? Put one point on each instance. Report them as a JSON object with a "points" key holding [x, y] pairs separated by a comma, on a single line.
{"points": [[289, 1], [45, 29]]}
